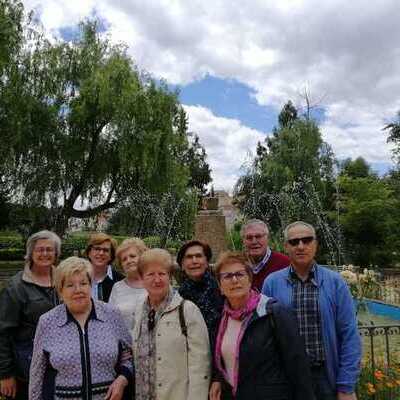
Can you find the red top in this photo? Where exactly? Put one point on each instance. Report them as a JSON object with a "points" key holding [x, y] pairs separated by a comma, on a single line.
{"points": [[276, 262]]}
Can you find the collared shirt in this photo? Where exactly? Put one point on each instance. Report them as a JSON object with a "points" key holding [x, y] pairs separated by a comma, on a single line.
{"points": [[95, 284], [305, 301], [258, 267]]}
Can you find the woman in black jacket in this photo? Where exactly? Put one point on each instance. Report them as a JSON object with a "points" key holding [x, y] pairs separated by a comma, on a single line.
{"points": [[28, 295], [258, 354]]}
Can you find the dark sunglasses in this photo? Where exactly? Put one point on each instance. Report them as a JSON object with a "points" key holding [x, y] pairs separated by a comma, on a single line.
{"points": [[151, 320], [304, 240]]}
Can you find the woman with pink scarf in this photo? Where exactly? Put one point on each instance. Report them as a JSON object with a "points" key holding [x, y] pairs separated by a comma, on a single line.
{"points": [[258, 354]]}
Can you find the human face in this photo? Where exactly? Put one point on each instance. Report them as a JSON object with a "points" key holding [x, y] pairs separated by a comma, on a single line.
{"points": [[100, 255], [129, 260], [44, 254], [301, 254], [156, 281], [76, 293], [237, 288], [255, 241], [194, 263]]}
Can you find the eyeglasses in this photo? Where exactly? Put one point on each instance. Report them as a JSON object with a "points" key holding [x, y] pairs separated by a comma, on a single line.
{"points": [[42, 250], [98, 249], [304, 240], [228, 276], [151, 320], [258, 237]]}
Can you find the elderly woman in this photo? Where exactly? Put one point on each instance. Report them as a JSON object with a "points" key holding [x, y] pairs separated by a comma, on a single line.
{"points": [[198, 284], [129, 292], [82, 348], [258, 352], [29, 294], [171, 345], [101, 253]]}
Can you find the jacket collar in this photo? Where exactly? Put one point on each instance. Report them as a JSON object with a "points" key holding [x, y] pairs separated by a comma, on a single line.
{"points": [[175, 301], [28, 277], [262, 305], [64, 316], [317, 275]]}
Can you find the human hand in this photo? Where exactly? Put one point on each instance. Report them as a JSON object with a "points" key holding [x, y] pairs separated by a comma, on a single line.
{"points": [[8, 387], [346, 396], [116, 389], [215, 391]]}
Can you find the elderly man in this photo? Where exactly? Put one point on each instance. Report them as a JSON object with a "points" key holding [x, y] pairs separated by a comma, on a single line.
{"points": [[255, 237], [325, 313]]}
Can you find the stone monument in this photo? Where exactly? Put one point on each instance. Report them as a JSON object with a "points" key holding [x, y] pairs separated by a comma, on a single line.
{"points": [[210, 226]]}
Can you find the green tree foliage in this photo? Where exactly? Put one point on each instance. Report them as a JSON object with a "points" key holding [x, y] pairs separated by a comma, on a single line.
{"points": [[357, 168], [292, 178], [86, 129], [11, 31], [369, 220], [194, 156], [394, 136]]}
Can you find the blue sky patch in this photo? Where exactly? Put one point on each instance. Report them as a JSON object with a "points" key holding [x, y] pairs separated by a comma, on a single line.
{"points": [[230, 99]]}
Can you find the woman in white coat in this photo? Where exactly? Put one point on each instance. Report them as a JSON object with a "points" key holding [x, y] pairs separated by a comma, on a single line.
{"points": [[171, 344]]}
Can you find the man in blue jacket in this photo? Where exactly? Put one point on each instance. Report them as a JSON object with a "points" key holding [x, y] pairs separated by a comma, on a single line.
{"points": [[325, 313]]}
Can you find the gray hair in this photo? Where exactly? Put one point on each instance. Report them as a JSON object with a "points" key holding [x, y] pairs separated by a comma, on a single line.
{"points": [[41, 235], [69, 267], [298, 223], [158, 256], [252, 222]]}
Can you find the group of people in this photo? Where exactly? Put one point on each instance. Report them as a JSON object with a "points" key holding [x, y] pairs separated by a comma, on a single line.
{"points": [[257, 325]]}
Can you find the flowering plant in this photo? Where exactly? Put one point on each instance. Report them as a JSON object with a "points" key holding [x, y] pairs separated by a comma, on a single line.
{"points": [[362, 285], [381, 383]]}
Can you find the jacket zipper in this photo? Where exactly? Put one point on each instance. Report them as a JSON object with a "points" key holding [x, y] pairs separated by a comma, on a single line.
{"points": [[85, 364], [86, 379]]}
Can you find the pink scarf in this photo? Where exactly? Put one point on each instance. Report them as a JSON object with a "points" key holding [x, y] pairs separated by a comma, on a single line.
{"points": [[244, 315]]}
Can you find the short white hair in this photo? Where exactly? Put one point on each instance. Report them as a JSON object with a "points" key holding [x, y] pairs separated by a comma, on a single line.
{"points": [[298, 223], [252, 222]]}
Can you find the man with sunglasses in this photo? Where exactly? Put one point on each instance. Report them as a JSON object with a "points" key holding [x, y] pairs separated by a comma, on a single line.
{"points": [[325, 313], [255, 235]]}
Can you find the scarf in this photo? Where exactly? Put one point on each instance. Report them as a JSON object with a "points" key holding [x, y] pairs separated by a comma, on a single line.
{"points": [[207, 296], [258, 267], [243, 314]]}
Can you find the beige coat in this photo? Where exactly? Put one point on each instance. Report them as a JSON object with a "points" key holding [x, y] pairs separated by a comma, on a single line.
{"points": [[182, 369]]}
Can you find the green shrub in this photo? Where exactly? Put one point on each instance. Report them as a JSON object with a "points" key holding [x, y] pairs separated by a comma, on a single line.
{"points": [[11, 242], [12, 254]]}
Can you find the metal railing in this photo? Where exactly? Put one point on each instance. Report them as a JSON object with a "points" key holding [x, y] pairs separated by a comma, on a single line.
{"points": [[378, 347]]}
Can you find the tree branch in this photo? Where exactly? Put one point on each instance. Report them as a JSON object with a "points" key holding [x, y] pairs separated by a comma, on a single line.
{"points": [[90, 212]]}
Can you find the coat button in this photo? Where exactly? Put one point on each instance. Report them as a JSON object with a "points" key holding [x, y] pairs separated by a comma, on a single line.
{"points": [[159, 358], [160, 384]]}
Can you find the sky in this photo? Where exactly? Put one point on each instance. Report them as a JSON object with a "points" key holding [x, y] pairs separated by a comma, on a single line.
{"points": [[237, 63]]}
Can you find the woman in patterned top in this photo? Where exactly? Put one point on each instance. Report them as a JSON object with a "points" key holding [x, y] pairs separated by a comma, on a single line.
{"points": [[171, 346], [82, 348]]}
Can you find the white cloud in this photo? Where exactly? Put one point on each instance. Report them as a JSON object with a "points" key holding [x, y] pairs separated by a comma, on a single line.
{"points": [[227, 141], [346, 53]]}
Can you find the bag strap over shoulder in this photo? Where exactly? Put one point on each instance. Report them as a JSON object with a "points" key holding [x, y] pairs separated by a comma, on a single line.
{"points": [[182, 320]]}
